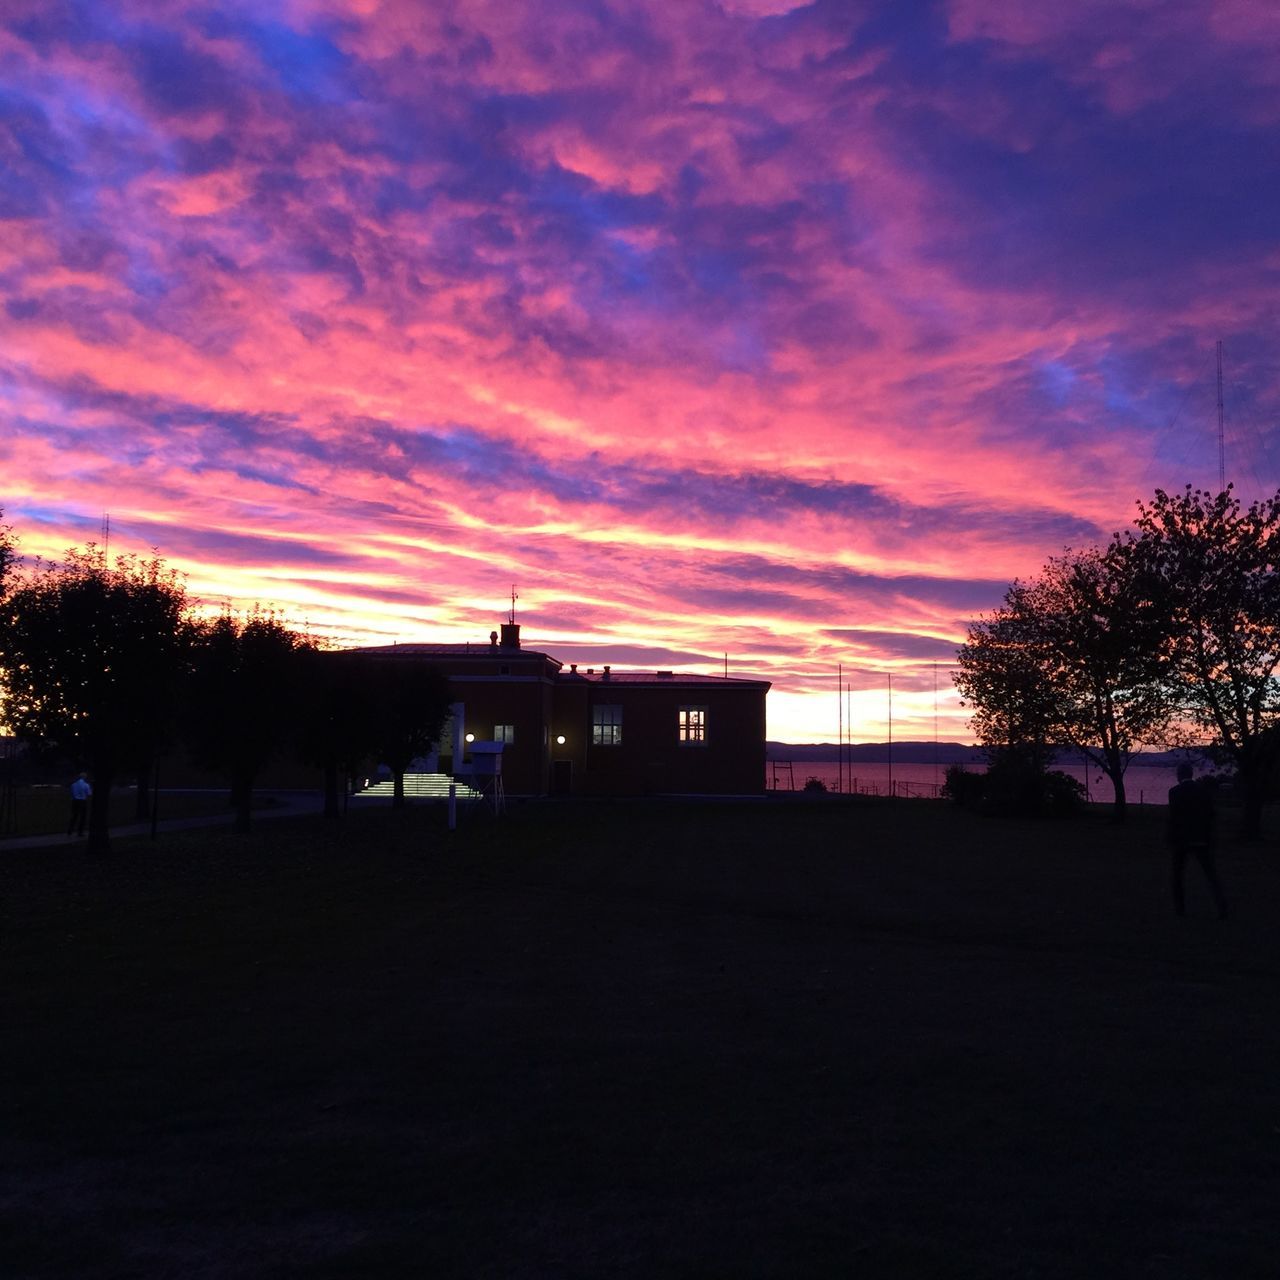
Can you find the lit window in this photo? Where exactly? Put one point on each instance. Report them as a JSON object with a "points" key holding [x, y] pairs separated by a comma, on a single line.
{"points": [[606, 726], [504, 733], [693, 724]]}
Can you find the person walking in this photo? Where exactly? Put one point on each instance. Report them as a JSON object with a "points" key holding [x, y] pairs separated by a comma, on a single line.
{"points": [[81, 792], [1191, 821]]}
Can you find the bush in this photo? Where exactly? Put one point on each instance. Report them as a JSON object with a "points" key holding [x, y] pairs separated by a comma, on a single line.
{"points": [[1015, 785], [964, 788], [815, 785]]}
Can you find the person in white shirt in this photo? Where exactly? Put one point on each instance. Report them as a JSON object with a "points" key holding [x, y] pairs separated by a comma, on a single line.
{"points": [[81, 791]]}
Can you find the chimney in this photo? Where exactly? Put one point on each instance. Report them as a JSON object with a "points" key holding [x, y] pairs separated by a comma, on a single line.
{"points": [[573, 668], [510, 635], [493, 639], [606, 672]]}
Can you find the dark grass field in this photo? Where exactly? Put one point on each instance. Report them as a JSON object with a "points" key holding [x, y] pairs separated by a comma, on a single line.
{"points": [[39, 811], [667, 1040]]}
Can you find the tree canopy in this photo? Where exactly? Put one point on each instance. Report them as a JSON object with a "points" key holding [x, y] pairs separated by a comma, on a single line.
{"points": [[1171, 632], [243, 698], [93, 655]]}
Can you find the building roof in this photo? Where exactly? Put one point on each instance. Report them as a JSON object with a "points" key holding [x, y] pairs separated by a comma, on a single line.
{"points": [[468, 650], [592, 675], [596, 676]]}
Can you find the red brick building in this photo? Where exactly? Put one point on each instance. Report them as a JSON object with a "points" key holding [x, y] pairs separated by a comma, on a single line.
{"points": [[598, 731]]}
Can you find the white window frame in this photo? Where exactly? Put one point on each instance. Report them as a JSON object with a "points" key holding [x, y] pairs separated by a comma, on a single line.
{"points": [[606, 724], [692, 726], [504, 733]]}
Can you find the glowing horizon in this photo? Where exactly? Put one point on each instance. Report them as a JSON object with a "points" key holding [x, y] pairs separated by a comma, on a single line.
{"points": [[788, 331]]}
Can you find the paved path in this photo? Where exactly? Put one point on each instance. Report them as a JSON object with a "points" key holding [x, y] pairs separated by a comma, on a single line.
{"points": [[287, 804]]}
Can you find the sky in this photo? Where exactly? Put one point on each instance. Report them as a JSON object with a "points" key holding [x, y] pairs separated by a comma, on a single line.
{"points": [[782, 335]]}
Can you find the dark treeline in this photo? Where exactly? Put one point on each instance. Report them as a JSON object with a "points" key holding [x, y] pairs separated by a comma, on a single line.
{"points": [[110, 665], [1170, 634]]}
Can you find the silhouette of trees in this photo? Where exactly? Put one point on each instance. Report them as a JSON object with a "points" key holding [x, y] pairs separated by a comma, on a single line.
{"points": [[8, 553], [1099, 635], [1001, 678], [243, 699], [336, 720], [1171, 632], [1213, 569], [93, 657], [410, 703], [362, 706]]}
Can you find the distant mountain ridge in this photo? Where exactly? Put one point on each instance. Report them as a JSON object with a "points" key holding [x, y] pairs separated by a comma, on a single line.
{"points": [[928, 753]]}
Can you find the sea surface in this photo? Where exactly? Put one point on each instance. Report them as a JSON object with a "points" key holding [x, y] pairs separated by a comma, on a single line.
{"points": [[1144, 784]]}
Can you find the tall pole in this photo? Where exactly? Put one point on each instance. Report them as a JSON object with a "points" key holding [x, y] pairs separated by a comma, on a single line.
{"points": [[1222, 438], [935, 726], [839, 727], [891, 735]]}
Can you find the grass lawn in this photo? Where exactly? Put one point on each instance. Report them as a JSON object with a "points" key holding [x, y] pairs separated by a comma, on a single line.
{"points": [[622, 1039], [39, 811]]}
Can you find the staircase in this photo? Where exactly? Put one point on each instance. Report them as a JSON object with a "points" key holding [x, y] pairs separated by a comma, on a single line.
{"points": [[422, 786]]}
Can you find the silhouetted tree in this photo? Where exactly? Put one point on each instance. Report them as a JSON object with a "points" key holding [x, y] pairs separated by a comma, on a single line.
{"points": [[336, 722], [92, 658], [1001, 679], [1215, 570], [411, 702], [243, 699], [8, 553], [1099, 636]]}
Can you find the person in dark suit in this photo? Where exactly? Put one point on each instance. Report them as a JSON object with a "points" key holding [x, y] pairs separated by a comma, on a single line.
{"points": [[1191, 833]]}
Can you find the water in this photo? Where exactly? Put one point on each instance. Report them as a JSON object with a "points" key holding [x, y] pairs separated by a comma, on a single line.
{"points": [[1144, 784]]}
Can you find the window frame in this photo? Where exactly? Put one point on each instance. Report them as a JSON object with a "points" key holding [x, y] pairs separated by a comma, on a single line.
{"points": [[691, 724], [606, 731]]}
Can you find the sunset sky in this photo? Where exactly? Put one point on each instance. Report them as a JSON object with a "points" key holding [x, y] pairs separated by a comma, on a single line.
{"points": [[791, 332]]}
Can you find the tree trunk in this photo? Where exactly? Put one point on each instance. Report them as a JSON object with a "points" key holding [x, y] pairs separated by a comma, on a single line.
{"points": [[142, 803], [100, 811], [242, 800], [1115, 771], [1251, 811], [1120, 809], [331, 809], [397, 788]]}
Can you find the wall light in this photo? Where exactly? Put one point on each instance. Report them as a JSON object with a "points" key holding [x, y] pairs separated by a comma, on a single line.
{"points": [[560, 740], [471, 737]]}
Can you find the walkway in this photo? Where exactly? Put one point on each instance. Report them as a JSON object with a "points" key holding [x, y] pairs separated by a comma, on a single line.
{"points": [[286, 804]]}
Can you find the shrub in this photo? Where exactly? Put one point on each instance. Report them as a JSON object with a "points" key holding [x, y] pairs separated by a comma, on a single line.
{"points": [[815, 784], [964, 788]]}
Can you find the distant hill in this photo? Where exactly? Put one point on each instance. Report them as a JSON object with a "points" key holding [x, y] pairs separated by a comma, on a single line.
{"points": [[927, 753], [903, 752]]}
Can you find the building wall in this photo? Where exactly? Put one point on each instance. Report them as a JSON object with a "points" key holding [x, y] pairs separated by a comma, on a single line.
{"points": [[651, 759]]}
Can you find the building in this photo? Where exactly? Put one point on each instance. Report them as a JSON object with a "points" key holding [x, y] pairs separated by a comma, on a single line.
{"points": [[597, 731]]}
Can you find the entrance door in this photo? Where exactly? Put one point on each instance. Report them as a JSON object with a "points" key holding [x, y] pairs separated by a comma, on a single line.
{"points": [[561, 777]]}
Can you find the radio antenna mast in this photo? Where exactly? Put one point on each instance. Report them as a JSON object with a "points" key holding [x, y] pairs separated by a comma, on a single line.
{"points": [[1222, 439], [514, 598]]}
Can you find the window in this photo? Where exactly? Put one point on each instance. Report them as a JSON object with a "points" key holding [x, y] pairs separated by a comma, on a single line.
{"points": [[504, 733], [693, 724], [606, 726]]}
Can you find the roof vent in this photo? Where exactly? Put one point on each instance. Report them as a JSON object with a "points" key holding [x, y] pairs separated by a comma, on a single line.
{"points": [[606, 672], [493, 638], [591, 671], [573, 668]]}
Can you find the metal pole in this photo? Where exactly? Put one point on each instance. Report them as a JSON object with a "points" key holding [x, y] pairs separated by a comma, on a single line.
{"points": [[1222, 445], [890, 678], [839, 727], [155, 800]]}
